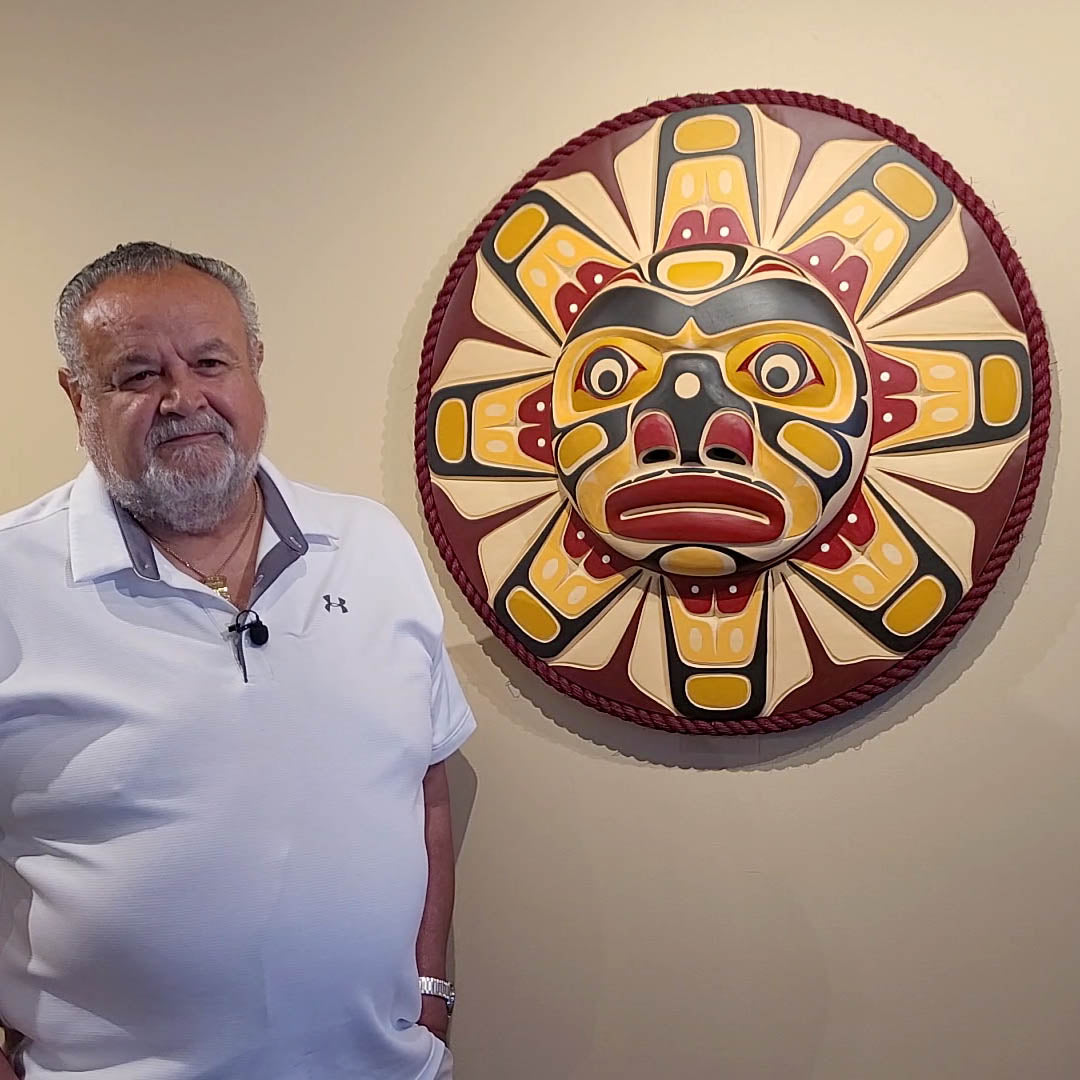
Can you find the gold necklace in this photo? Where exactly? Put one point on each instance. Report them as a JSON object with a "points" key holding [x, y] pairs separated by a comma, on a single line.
{"points": [[216, 580]]}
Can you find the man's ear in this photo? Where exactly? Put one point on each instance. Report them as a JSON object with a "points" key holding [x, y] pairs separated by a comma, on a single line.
{"points": [[257, 358], [74, 392]]}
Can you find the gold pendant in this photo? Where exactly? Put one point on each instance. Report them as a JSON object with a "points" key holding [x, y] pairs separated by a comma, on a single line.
{"points": [[219, 585]]}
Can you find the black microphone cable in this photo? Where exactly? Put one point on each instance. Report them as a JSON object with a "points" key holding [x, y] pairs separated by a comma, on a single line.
{"points": [[256, 630]]}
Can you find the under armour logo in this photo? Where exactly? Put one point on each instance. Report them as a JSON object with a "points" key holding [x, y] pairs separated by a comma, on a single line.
{"points": [[340, 604]]}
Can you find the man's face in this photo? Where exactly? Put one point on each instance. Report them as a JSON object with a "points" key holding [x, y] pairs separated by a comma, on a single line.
{"points": [[170, 408]]}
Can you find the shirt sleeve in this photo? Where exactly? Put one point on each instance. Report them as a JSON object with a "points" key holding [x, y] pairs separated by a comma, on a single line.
{"points": [[452, 721]]}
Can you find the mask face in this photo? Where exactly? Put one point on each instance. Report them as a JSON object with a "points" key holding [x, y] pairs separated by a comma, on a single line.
{"points": [[710, 410]]}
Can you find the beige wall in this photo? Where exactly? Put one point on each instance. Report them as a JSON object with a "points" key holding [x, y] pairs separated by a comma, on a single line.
{"points": [[893, 895]]}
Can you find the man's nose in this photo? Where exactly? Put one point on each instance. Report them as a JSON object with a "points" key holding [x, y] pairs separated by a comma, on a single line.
{"points": [[184, 394]]}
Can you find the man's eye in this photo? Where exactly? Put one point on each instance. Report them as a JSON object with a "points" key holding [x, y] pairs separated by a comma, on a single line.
{"points": [[607, 371], [782, 368], [136, 378], [210, 361]]}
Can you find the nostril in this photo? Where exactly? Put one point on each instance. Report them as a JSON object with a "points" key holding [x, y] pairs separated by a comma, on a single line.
{"points": [[655, 457], [725, 453]]}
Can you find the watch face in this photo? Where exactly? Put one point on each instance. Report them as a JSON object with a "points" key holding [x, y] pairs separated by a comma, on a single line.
{"points": [[732, 415]]}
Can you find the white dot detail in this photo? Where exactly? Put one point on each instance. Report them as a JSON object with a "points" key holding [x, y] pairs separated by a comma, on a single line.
{"points": [[687, 233], [598, 279], [852, 518], [687, 385], [724, 230], [606, 559], [885, 376], [540, 406], [581, 536], [814, 260], [887, 418], [695, 589], [824, 548], [733, 589], [573, 309], [844, 286], [541, 442]]}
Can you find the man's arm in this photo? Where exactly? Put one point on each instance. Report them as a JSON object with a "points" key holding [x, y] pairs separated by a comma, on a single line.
{"points": [[439, 904]]}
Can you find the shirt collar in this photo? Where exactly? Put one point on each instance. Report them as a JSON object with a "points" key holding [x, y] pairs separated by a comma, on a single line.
{"points": [[105, 539]]}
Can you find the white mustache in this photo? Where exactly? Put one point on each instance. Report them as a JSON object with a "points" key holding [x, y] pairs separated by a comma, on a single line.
{"points": [[199, 424]]}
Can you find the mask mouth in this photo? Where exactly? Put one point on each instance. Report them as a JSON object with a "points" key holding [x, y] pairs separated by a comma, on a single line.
{"points": [[695, 508]]}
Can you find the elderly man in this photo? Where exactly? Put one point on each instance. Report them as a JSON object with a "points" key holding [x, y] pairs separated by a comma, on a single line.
{"points": [[225, 708]]}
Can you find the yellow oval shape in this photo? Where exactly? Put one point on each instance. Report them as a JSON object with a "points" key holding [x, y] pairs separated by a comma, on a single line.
{"points": [[812, 446], [999, 380], [452, 430], [907, 189], [578, 444], [718, 691], [698, 274], [701, 133], [519, 231], [916, 607], [695, 561], [535, 619]]}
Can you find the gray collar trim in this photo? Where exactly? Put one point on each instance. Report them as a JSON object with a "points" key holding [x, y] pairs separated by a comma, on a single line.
{"points": [[293, 542]]}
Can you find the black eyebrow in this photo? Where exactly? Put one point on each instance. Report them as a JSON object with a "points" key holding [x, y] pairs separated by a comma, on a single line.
{"points": [[756, 301]]}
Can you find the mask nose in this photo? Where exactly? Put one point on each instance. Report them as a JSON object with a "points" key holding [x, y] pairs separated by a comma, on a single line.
{"points": [[692, 416]]}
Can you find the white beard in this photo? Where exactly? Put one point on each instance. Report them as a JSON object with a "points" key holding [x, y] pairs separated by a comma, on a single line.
{"points": [[199, 487]]}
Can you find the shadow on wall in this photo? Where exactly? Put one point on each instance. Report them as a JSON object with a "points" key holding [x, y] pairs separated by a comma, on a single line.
{"points": [[511, 682]]}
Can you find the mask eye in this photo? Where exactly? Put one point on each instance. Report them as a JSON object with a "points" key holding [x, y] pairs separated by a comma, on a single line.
{"points": [[607, 371], [782, 368]]}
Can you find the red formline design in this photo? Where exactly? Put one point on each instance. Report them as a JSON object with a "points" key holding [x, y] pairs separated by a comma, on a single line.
{"points": [[1014, 524]]}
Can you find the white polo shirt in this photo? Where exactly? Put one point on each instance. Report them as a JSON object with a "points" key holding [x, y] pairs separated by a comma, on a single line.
{"points": [[202, 876]]}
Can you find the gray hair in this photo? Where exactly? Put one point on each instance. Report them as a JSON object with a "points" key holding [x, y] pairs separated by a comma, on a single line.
{"points": [[129, 260]]}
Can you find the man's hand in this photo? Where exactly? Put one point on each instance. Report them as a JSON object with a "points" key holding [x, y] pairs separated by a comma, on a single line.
{"points": [[434, 1017]]}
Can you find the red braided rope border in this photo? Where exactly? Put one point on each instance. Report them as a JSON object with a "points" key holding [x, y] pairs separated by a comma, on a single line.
{"points": [[1014, 525]]}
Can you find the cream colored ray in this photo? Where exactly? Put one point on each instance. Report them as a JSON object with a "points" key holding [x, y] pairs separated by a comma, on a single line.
{"points": [[594, 648], [476, 361], [949, 531], [501, 550], [584, 196], [942, 258], [845, 641], [833, 163], [969, 315], [972, 468], [777, 151], [648, 669], [496, 306], [789, 660], [635, 169], [477, 497]]}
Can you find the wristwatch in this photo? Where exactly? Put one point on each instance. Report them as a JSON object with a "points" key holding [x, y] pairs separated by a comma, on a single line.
{"points": [[439, 988]]}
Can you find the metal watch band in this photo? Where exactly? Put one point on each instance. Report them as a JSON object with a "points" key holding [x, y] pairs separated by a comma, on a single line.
{"points": [[439, 988]]}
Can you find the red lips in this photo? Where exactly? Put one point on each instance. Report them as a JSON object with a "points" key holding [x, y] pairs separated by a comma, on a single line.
{"points": [[695, 508]]}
